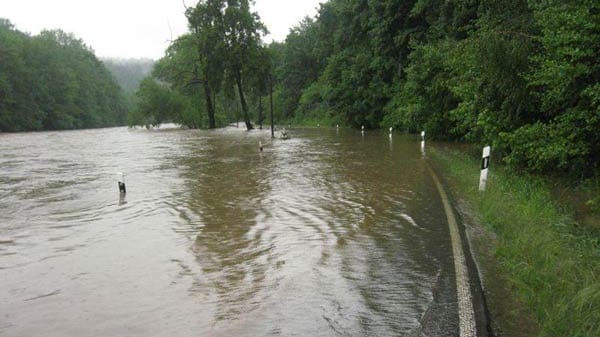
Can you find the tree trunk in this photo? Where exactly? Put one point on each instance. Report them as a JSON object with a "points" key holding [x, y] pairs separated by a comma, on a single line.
{"points": [[260, 112], [244, 105], [214, 106], [271, 103], [210, 108]]}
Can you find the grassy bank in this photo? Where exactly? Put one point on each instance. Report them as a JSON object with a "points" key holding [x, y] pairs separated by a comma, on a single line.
{"points": [[550, 264]]}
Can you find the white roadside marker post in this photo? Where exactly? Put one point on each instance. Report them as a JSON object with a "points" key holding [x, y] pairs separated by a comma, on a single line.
{"points": [[485, 164], [362, 130], [121, 182], [422, 142]]}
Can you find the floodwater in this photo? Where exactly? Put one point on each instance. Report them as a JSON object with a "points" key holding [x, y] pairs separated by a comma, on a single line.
{"points": [[328, 233]]}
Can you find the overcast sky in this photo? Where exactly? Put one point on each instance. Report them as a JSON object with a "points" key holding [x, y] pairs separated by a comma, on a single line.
{"points": [[136, 28]]}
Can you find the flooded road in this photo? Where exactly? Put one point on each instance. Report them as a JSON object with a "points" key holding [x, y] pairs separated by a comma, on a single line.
{"points": [[328, 233]]}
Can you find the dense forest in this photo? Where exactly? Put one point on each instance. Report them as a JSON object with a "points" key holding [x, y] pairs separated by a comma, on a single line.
{"points": [[519, 75], [53, 81]]}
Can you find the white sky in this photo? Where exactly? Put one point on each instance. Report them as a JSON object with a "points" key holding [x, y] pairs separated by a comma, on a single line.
{"points": [[136, 28]]}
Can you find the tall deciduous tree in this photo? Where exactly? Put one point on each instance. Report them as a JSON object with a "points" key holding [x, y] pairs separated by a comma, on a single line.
{"points": [[206, 22], [182, 70], [243, 31]]}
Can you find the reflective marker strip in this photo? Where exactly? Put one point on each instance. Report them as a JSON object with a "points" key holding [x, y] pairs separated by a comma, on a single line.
{"points": [[466, 314]]}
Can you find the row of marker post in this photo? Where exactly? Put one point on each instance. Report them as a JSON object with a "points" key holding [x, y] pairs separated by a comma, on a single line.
{"points": [[485, 160], [485, 163]]}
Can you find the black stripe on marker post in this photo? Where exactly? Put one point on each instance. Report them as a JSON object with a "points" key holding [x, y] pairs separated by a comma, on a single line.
{"points": [[485, 162], [122, 188]]}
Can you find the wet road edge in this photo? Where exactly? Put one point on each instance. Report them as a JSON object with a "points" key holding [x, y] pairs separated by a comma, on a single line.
{"points": [[472, 309]]}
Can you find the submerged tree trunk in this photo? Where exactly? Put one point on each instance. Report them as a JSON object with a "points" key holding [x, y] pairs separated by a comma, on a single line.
{"points": [[271, 103], [260, 112], [244, 105], [210, 107]]}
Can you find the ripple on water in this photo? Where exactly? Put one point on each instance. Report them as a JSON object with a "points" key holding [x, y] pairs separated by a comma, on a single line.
{"points": [[322, 234]]}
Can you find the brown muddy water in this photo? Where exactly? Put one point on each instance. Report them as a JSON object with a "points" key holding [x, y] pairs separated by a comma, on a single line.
{"points": [[329, 233]]}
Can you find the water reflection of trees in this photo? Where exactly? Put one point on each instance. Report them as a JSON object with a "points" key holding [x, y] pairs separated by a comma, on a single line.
{"points": [[349, 220], [226, 177]]}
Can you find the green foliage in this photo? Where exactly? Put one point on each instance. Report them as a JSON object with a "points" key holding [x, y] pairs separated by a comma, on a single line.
{"points": [[565, 135], [300, 64], [559, 145], [425, 99], [158, 104], [54, 81], [521, 76], [242, 32], [487, 71], [314, 109], [594, 204]]}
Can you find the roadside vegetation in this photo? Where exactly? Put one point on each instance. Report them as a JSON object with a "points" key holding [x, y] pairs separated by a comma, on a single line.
{"points": [[551, 261]]}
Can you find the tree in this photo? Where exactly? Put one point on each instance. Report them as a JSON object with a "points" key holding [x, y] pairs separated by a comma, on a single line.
{"points": [[181, 70], [259, 78], [206, 22], [158, 103], [301, 64], [223, 50], [242, 39]]}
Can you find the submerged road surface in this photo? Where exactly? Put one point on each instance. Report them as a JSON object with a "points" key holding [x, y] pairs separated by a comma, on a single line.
{"points": [[329, 233]]}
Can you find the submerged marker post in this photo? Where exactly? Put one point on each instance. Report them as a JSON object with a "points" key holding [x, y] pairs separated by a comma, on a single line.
{"points": [[485, 164]]}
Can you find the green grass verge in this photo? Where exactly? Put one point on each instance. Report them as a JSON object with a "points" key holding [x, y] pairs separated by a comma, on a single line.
{"points": [[551, 263]]}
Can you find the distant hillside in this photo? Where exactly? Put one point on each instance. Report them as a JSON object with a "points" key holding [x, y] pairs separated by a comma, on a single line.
{"points": [[129, 72], [53, 81]]}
